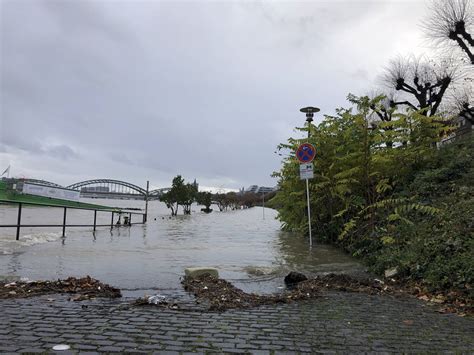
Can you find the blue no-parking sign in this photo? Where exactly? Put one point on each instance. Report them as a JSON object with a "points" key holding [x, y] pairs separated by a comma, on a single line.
{"points": [[305, 153]]}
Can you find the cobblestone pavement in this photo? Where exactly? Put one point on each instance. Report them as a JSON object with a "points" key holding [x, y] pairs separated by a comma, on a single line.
{"points": [[336, 322]]}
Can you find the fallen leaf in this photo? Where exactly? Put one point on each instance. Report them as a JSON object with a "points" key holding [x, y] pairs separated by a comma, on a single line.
{"points": [[438, 299]]}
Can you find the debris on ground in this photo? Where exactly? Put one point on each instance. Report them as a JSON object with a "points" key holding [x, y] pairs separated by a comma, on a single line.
{"points": [[342, 282], [157, 300], [458, 302], [61, 347], [85, 288], [452, 302], [221, 294]]}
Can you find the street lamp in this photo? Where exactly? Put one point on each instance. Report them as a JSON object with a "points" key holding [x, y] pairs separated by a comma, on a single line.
{"points": [[309, 115], [309, 118]]}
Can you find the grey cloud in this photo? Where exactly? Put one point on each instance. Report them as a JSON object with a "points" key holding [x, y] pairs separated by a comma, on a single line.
{"points": [[18, 142], [37, 148], [61, 151], [146, 90], [360, 74]]}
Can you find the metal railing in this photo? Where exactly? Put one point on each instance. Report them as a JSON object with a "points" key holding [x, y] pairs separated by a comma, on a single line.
{"points": [[124, 213]]}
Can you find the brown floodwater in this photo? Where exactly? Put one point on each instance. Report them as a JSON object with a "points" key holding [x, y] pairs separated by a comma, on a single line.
{"points": [[246, 246]]}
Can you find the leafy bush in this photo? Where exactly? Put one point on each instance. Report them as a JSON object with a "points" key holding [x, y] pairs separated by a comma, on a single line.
{"points": [[386, 194]]}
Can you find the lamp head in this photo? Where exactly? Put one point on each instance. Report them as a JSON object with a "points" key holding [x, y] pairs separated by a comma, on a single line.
{"points": [[309, 112]]}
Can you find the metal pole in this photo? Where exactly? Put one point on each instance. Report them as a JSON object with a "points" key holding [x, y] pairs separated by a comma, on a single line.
{"points": [[95, 219], [145, 216], [18, 222], [130, 219], [112, 221], [263, 198], [307, 195], [64, 222], [309, 214]]}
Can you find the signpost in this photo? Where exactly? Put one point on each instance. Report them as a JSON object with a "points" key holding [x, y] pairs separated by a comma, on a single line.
{"points": [[305, 154], [306, 171]]}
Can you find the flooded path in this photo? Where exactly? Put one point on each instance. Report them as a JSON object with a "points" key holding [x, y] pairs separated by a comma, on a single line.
{"points": [[247, 249]]}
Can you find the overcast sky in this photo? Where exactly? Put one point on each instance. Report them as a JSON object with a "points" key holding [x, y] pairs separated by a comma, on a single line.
{"points": [[146, 90]]}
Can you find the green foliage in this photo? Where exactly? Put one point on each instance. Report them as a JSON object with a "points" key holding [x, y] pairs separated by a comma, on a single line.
{"points": [[385, 193], [205, 199], [181, 194], [221, 201], [234, 201]]}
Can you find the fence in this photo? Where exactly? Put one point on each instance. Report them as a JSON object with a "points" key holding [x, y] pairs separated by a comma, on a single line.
{"points": [[119, 212]]}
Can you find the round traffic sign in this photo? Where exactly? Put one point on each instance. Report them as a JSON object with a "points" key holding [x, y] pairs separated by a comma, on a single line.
{"points": [[305, 153]]}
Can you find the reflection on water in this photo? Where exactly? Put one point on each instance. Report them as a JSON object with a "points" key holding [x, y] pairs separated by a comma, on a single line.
{"points": [[241, 244], [321, 258]]}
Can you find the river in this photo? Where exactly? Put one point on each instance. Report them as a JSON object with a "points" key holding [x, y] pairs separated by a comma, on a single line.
{"points": [[246, 246]]}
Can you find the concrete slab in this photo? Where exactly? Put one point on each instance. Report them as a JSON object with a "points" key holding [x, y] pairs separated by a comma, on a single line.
{"points": [[194, 272]]}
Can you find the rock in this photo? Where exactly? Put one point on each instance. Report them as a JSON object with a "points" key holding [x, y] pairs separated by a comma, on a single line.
{"points": [[193, 272], [294, 278], [391, 272]]}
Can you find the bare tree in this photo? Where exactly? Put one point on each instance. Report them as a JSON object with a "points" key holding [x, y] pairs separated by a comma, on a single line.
{"points": [[423, 83], [383, 111], [382, 108], [451, 21], [461, 102]]}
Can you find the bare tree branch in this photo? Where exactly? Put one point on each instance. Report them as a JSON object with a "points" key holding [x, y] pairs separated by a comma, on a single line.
{"points": [[408, 103], [451, 21], [423, 82], [465, 48]]}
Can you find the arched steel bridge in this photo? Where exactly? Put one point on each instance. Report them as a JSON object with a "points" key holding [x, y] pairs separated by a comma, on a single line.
{"points": [[107, 185], [110, 188]]}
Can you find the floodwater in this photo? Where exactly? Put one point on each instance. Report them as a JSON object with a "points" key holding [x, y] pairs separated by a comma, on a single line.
{"points": [[246, 246]]}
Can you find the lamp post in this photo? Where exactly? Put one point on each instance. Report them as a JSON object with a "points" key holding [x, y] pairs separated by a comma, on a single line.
{"points": [[309, 118]]}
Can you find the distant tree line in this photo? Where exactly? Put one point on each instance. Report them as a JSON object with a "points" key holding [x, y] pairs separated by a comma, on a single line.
{"points": [[185, 194]]}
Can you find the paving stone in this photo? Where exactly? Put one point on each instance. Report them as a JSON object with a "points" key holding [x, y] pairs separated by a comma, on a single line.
{"points": [[102, 342], [335, 323], [6, 349], [96, 337], [85, 347], [25, 338], [31, 350], [110, 349]]}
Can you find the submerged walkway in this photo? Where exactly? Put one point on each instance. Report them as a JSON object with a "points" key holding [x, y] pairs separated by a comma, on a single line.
{"points": [[336, 322]]}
